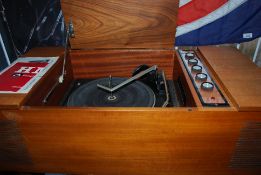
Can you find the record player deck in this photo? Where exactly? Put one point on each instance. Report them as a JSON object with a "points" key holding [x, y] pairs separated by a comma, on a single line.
{"points": [[134, 85], [94, 116], [121, 100], [147, 87]]}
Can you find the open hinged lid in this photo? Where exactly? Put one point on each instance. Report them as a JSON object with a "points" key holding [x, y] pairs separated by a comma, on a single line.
{"points": [[149, 24]]}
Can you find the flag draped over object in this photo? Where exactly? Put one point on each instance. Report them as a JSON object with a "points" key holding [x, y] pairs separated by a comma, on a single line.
{"points": [[211, 22]]}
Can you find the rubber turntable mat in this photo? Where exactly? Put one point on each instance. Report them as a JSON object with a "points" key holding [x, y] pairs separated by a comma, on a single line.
{"points": [[175, 100], [136, 94]]}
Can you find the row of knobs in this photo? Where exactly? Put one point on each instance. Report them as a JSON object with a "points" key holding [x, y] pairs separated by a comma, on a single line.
{"points": [[201, 77]]}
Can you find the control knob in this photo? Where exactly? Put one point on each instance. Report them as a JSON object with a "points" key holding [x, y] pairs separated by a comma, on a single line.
{"points": [[207, 86]]}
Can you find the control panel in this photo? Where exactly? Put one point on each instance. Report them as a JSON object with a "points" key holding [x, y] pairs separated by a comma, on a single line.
{"points": [[207, 90]]}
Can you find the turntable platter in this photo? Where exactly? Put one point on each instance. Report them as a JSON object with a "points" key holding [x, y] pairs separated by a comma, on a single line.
{"points": [[136, 94]]}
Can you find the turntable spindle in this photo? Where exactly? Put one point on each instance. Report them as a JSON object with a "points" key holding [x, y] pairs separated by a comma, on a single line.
{"points": [[111, 97], [110, 83]]}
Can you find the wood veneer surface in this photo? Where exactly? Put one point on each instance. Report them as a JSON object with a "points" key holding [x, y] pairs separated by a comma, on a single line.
{"points": [[120, 63], [124, 141], [11, 100], [122, 23], [240, 77]]}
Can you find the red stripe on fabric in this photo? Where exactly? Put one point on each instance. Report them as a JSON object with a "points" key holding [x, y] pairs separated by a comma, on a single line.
{"points": [[197, 9]]}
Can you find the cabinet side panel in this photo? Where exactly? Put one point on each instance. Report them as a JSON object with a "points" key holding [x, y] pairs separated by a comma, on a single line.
{"points": [[127, 141], [13, 149]]}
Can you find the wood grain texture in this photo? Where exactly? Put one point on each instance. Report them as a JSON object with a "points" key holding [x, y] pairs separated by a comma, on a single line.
{"points": [[240, 77], [12, 144], [247, 154], [11, 100], [120, 63], [218, 82], [44, 52], [122, 23], [138, 141]]}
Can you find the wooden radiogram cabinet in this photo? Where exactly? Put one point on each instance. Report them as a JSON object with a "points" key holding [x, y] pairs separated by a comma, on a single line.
{"points": [[112, 37]]}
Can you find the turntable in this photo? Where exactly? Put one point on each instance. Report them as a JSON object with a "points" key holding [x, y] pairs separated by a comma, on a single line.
{"points": [[121, 100], [121, 92], [136, 94]]}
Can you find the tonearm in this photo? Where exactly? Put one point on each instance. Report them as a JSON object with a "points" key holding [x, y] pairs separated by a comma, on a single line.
{"points": [[115, 88]]}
